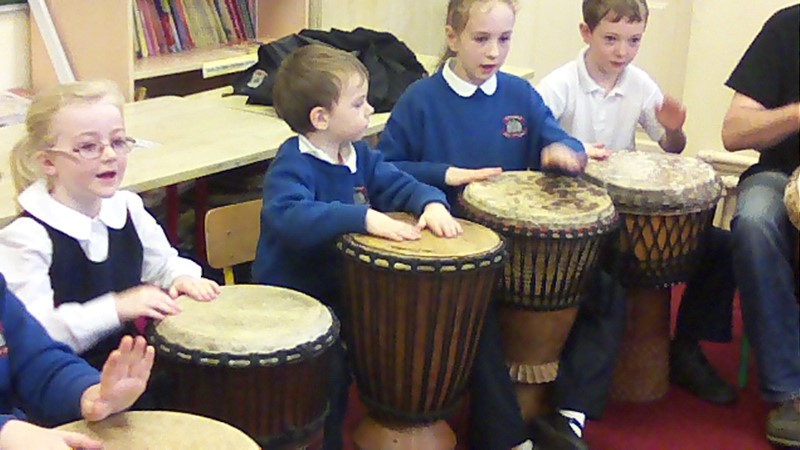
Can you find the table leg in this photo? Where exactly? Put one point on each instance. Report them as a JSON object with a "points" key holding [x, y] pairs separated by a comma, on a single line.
{"points": [[173, 211]]}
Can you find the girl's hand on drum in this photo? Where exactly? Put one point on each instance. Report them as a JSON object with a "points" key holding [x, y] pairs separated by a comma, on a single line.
{"points": [[19, 435], [456, 176], [145, 300], [381, 225], [437, 218], [200, 289], [122, 381], [671, 114], [562, 158], [597, 151]]}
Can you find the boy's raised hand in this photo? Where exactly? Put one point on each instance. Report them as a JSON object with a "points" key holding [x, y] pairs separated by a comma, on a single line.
{"points": [[437, 218], [671, 114], [122, 381], [19, 435], [379, 224], [145, 300], [200, 289], [456, 176], [560, 157]]}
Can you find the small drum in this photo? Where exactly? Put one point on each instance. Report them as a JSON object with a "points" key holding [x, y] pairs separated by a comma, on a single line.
{"points": [[149, 430], [667, 204], [412, 316], [255, 357], [555, 228]]}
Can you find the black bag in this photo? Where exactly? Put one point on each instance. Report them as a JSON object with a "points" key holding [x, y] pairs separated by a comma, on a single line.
{"points": [[392, 66]]}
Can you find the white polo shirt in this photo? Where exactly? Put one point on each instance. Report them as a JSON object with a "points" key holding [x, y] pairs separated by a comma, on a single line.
{"points": [[586, 111]]}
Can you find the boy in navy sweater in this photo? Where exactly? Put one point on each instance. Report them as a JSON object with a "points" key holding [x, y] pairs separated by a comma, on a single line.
{"points": [[54, 385], [323, 184]]}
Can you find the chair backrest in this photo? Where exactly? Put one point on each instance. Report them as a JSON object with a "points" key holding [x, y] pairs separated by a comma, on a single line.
{"points": [[232, 235]]}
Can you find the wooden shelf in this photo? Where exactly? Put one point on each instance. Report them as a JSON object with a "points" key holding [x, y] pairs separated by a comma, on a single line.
{"points": [[168, 64]]}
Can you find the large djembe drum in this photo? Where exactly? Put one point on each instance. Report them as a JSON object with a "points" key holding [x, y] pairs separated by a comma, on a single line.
{"points": [[667, 204], [412, 316], [555, 228], [162, 430], [256, 357]]}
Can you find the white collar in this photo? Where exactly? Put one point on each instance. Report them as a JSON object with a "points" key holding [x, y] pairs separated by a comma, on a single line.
{"points": [[588, 84], [38, 202], [348, 154], [465, 88]]}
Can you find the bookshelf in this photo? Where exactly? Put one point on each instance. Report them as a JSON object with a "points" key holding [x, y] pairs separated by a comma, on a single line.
{"points": [[97, 36]]}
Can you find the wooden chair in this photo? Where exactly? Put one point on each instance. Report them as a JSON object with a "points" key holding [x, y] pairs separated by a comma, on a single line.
{"points": [[231, 235]]}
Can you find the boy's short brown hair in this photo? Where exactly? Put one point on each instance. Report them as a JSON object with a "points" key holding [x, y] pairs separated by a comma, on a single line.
{"points": [[631, 10], [312, 76]]}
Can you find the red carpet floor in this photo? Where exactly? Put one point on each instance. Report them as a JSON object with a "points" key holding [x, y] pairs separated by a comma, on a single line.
{"points": [[679, 421]]}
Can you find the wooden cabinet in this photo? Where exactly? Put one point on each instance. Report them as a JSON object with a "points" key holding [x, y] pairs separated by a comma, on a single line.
{"points": [[97, 36]]}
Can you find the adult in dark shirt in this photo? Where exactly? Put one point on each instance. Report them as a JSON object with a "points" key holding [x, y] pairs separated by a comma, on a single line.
{"points": [[765, 115]]}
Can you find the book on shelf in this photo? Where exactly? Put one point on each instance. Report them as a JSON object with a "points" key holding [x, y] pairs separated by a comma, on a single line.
{"points": [[172, 26]]}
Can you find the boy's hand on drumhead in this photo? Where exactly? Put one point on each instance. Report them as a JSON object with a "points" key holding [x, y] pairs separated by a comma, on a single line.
{"points": [[379, 224], [437, 218], [671, 114], [122, 381], [456, 176], [596, 151], [19, 435], [559, 157], [200, 289], [145, 300]]}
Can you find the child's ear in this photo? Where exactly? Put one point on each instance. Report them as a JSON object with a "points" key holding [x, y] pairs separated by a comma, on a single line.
{"points": [[45, 164], [586, 33], [451, 36], [319, 118]]}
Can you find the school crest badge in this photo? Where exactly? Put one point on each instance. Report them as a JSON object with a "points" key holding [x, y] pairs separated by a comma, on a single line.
{"points": [[360, 195], [257, 78], [514, 126]]}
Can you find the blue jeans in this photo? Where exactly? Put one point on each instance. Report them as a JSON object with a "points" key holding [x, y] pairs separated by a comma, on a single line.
{"points": [[762, 261]]}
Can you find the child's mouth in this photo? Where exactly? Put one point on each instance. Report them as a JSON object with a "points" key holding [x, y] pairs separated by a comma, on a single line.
{"points": [[107, 175]]}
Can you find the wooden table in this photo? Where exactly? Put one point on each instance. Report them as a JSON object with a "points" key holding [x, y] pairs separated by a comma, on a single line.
{"points": [[193, 140]]}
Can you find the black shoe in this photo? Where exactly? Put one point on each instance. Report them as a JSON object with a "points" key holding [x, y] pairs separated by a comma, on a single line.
{"points": [[783, 425], [552, 432], [689, 369]]}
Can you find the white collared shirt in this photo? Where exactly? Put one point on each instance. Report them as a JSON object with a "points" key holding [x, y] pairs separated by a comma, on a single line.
{"points": [[464, 88], [348, 154], [586, 111], [26, 254]]}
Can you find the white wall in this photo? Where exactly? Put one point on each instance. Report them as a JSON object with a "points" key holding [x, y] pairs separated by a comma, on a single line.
{"points": [[721, 32], [15, 67]]}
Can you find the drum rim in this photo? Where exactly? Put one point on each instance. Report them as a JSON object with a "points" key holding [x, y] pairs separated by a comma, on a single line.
{"points": [[519, 228], [672, 201], [352, 249], [298, 353]]}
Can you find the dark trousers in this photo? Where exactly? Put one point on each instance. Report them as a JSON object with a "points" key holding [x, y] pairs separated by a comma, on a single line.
{"points": [[339, 384], [495, 421], [588, 358]]}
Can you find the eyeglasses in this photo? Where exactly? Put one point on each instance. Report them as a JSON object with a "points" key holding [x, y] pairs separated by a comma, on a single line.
{"points": [[94, 149]]}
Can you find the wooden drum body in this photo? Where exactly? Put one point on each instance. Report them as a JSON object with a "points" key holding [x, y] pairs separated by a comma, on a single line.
{"points": [[255, 357], [412, 315], [554, 227], [667, 205], [148, 430]]}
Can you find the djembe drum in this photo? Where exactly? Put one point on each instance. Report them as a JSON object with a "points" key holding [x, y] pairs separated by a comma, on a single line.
{"points": [[667, 204], [554, 227], [256, 357], [150, 430], [412, 316]]}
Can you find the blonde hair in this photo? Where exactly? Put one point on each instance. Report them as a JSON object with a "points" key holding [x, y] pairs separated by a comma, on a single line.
{"points": [[457, 18], [38, 124], [595, 11], [312, 76]]}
